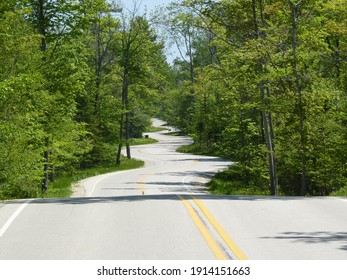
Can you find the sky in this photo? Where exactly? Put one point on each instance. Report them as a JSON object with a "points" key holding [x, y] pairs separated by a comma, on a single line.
{"points": [[150, 4], [172, 52]]}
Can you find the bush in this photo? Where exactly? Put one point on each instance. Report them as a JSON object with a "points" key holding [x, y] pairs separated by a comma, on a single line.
{"points": [[236, 181]]}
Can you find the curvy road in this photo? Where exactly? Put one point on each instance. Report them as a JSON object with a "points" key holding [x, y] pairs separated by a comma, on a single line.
{"points": [[163, 211]]}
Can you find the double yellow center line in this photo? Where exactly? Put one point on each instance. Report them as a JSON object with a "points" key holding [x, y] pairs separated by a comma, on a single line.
{"points": [[140, 182], [205, 232], [211, 242]]}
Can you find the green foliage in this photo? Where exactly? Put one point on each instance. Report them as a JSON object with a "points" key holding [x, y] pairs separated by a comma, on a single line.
{"points": [[22, 103], [62, 186], [234, 181], [61, 88], [267, 72], [138, 123], [340, 192], [21, 135], [154, 129], [262, 83], [197, 149], [142, 141]]}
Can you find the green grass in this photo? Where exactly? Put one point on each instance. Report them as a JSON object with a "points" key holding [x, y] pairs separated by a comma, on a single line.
{"points": [[340, 192], [62, 186], [155, 129], [230, 182], [197, 149], [177, 133], [142, 141]]}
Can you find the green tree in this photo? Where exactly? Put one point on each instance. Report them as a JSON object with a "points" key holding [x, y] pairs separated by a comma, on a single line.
{"points": [[138, 50], [267, 100], [57, 24], [22, 103], [100, 106]]}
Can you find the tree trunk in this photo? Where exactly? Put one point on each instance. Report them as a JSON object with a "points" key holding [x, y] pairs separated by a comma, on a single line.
{"points": [[42, 31], [42, 25], [46, 173], [125, 105], [119, 152], [303, 184], [334, 45], [121, 123], [268, 129], [272, 135], [127, 126]]}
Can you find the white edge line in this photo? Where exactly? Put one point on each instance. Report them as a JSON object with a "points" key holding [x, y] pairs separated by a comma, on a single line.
{"points": [[184, 184], [105, 176], [12, 218]]}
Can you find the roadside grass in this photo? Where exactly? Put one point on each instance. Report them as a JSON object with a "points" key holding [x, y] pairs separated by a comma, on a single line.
{"points": [[62, 186], [142, 141], [341, 192], [154, 129], [229, 182], [177, 133], [63, 183], [197, 149]]}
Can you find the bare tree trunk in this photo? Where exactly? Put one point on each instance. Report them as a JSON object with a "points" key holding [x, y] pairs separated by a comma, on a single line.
{"points": [[268, 131]]}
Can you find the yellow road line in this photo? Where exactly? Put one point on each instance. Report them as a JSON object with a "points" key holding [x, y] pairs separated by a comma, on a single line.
{"points": [[224, 235], [203, 230], [140, 185]]}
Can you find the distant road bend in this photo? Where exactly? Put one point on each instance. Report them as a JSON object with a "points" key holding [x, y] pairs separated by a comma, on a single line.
{"points": [[163, 211]]}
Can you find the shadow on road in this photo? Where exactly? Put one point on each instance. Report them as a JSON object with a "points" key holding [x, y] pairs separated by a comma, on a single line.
{"points": [[313, 237], [174, 196], [205, 159], [203, 174], [172, 184]]}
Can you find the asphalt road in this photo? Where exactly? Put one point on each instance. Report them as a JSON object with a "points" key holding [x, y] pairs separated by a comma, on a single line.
{"points": [[163, 211]]}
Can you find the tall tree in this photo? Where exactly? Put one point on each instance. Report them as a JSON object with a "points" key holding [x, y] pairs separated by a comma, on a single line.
{"points": [[22, 102], [271, 78], [57, 22], [138, 44]]}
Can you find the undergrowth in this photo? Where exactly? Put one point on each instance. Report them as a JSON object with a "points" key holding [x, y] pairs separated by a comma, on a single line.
{"points": [[62, 185]]}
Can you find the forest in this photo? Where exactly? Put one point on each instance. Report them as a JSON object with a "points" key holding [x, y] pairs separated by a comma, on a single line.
{"points": [[262, 83]]}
